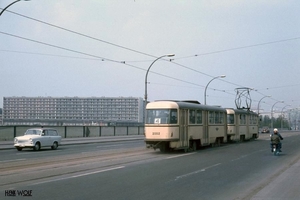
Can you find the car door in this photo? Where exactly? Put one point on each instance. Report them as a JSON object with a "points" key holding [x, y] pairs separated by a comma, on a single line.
{"points": [[52, 137], [46, 140]]}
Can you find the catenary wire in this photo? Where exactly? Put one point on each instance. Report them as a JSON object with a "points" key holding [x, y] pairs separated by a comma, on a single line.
{"points": [[143, 53], [126, 48], [121, 62]]}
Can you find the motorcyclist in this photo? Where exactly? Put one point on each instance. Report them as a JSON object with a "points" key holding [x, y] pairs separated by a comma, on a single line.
{"points": [[275, 139]]}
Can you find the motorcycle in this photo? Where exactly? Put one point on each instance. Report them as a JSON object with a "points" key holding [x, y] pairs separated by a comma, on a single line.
{"points": [[275, 149]]}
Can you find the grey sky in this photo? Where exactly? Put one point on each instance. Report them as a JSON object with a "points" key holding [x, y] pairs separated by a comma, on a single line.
{"points": [[254, 43]]}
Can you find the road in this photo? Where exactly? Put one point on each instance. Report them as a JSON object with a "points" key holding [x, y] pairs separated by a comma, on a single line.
{"points": [[127, 170]]}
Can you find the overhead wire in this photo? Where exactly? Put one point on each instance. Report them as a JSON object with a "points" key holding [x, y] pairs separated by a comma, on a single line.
{"points": [[95, 56], [120, 62], [103, 41], [139, 52], [81, 34], [239, 48], [116, 45]]}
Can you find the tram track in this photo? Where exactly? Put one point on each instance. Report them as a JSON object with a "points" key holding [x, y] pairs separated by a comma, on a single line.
{"points": [[30, 171], [24, 164]]}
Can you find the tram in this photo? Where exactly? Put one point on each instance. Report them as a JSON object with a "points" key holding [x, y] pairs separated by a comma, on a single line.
{"points": [[241, 124], [188, 125], [184, 125]]}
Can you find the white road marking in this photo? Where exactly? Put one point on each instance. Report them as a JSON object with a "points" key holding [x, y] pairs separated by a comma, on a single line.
{"points": [[79, 175], [16, 160], [196, 172], [95, 172], [32, 151], [187, 154], [116, 145], [246, 155]]}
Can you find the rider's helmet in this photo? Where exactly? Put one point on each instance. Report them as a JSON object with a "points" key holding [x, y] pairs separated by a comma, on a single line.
{"points": [[275, 130]]}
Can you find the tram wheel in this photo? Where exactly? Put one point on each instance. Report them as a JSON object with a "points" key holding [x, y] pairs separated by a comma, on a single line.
{"points": [[164, 147], [194, 147]]}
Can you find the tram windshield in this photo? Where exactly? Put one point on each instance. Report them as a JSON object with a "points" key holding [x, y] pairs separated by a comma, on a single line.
{"points": [[161, 116], [230, 119]]}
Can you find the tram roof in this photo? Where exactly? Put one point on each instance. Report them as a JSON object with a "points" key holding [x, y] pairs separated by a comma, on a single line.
{"points": [[239, 111], [182, 104]]}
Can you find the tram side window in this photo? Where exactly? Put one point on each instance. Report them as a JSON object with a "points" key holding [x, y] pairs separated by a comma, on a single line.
{"points": [[253, 119], [242, 119], [192, 118], [221, 118], [211, 117], [230, 119], [216, 117], [199, 116]]}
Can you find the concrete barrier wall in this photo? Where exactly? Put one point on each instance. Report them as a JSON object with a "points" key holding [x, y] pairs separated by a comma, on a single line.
{"points": [[92, 131], [9, 132], [107, 131], [6, 133]]}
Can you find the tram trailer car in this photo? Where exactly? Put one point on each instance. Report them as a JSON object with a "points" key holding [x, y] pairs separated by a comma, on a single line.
{"points": [[184, 125], [241, 125]]}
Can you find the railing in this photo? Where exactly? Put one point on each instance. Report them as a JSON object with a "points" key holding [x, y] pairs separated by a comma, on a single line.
{"points": [[9, 132]]}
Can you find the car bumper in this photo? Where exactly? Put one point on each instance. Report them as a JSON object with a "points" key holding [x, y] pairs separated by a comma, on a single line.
{"points": [[23, 145]]}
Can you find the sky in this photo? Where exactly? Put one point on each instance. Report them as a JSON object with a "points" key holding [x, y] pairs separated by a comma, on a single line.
{"points": [[103, 48]]}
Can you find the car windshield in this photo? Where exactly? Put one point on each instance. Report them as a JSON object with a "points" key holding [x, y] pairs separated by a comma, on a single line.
{"points": [[33, 132]]}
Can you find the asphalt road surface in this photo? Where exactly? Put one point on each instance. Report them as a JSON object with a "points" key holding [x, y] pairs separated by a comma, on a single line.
{"points": [[127, 170]]}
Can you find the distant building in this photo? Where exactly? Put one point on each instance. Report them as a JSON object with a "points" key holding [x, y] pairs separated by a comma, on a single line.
{"points": [[72, 110], [0, 116]]}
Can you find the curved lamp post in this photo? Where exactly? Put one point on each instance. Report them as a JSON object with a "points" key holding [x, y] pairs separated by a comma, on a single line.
{"points": [[10, 5], [272, 112], [222, 76], [282, 115], [258, 108], [146, 95], [259, 103]]}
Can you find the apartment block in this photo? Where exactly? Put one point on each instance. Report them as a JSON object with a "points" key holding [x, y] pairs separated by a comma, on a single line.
{"points": [[71, 110]]}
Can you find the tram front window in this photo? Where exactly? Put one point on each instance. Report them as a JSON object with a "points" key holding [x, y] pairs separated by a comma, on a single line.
{"points": [[230, 119], [162, 116]]}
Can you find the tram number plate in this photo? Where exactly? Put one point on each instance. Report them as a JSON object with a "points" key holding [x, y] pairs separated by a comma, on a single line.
{"points": [[157, 121], [155, 133]]}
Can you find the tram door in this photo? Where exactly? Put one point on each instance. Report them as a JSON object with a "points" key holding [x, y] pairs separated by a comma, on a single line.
{"points": [[183, 128]]}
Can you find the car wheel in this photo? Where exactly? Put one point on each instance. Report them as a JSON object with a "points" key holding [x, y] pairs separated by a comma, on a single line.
{"points": [[37, 146], [19, 148], [54, 146]]}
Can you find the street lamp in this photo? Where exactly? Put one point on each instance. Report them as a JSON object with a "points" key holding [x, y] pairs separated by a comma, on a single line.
{"points": [[146, 95], [222, 76], [10, 5], [258, 107], [282, 114], [272, 112], [259, 103], [168, 55]]}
